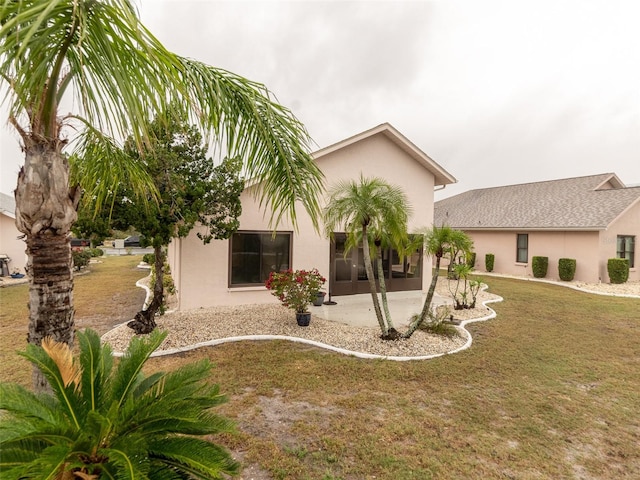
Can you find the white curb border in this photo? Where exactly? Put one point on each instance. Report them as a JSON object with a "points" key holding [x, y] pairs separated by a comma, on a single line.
{"points": [[220, 341], [559, 284], [363, 355]]}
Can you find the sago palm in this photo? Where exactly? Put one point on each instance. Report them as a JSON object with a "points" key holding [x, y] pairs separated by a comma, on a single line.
{"points": [[97, 57], [368, 210], [106, 422]]}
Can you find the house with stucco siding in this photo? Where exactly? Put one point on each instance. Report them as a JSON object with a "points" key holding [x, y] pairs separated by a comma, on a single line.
{"points": [[233, 272], [11, 243], [589, 219]]}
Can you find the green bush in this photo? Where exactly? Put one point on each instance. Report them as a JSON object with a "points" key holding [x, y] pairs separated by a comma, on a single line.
{"points": [[149, 258], [489, 260], [539, 265], [567, 268], [471, 259], [96, 252], [618, 269], [81, 258]]}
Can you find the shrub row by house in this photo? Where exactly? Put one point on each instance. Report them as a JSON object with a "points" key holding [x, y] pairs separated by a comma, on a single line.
{"points": [[539, 265], [566, 268], [618, 269], [489, 260]]}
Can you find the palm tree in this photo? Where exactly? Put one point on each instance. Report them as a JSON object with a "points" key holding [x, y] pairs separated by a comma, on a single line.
{"points": [[439, 242], [106, 422], [370, 210], [120, 76]]}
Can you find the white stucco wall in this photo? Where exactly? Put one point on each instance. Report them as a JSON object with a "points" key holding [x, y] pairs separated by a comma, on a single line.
{"points": [[10, 245], [583, 246], [627, 224], [201, 271]]}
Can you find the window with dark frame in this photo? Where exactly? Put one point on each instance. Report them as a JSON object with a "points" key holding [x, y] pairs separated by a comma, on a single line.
{"points": [[626, 246], [254, 255], [522, 253]]}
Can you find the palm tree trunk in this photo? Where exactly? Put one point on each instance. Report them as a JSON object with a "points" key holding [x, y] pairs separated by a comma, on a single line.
{"points": [[144, 321], [368, 267], [45, 210], [391, 334], [427, 302]]}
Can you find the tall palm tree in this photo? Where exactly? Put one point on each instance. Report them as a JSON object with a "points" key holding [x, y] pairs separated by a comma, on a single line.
{"points": [[369, 210], [112, 421], [439, 242], [119, 75]]}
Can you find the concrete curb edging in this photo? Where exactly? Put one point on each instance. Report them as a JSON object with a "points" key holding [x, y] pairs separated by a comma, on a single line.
{"points": [[559, 284]]}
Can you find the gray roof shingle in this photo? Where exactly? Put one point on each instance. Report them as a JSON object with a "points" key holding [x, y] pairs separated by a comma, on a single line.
{"points": [[581, 203]]}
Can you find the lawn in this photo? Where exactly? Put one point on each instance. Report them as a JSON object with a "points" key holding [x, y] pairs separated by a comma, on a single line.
{"points": [[548, 390]]}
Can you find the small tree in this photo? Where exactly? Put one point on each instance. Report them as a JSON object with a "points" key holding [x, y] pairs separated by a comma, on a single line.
{"points": [[190, 190], [439, 242], [373, 213]]}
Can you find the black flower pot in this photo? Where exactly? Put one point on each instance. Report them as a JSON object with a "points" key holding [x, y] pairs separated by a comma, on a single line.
{"points": [[319, 299], [303, 318]]}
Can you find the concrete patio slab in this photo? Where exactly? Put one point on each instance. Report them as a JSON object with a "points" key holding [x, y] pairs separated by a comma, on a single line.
{"points": [[357, 310]]}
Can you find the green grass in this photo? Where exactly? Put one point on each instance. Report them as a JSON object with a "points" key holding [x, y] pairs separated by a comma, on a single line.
{"points": [[548, 390]]}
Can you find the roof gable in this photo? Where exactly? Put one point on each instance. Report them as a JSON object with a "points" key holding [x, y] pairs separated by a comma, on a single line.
{"points": [[441, 176], [580, 203]]}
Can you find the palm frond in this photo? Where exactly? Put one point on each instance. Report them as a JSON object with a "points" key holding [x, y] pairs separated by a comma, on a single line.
{"points": [[61, 354], [126, 376], [68, 402], [122, 75], [197, 457], [97, 363]]}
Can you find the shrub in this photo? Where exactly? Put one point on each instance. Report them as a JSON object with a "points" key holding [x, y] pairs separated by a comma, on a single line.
{"points": [[539, 265], [471, 259], [618, 269], [81, 258], [105, 419], [96, 252], [489, 259], [149, 258], [567, 268], [296, 290]]}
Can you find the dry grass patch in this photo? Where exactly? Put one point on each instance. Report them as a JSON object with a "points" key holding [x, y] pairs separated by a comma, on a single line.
{"points": [[104, 294]]}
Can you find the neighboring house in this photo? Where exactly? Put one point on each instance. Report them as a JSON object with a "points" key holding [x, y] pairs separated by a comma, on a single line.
{"points": [[589, 219], [10, 243], [233, 272]]}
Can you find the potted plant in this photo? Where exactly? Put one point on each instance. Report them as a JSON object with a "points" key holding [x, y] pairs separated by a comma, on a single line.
{"points": [[296, 290], [319, 299], [15, 273]]}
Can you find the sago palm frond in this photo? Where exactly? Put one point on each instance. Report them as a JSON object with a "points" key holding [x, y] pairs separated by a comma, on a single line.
{"points": [[61, 354], [119, 424]]}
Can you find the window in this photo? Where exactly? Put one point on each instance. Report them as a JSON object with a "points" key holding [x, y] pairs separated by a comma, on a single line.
{"points": [[522, 254], [256, 254], [626, 248]]}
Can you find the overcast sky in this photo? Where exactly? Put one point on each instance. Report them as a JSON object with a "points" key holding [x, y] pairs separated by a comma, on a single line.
{"points": [[496, 92]]}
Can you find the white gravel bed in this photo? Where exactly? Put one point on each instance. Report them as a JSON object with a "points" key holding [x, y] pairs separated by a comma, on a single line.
{"points": [[194, 327], [198, 326]]}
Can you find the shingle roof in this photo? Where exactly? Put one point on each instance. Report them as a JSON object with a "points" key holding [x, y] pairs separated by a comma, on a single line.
{"points": [[7, 205], [581, 203]]}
